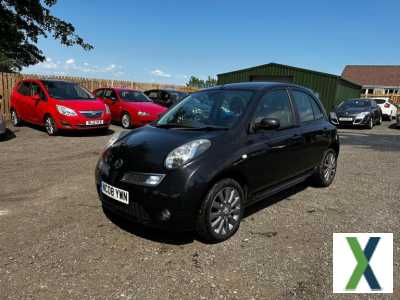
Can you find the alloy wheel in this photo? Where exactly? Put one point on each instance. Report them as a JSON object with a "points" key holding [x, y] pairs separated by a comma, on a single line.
{"points": [[50, 126], [14, 118], [329, 167], [225, 211], [126, 121]]}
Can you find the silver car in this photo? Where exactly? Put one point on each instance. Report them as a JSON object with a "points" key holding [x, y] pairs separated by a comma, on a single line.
{"points": [[2, 121]]}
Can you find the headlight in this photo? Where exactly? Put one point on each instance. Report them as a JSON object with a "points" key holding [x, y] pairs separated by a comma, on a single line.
{"points": [[183, 154], [107, 109], [116, 137], [65, 111], [143, 113], [362, 115]]}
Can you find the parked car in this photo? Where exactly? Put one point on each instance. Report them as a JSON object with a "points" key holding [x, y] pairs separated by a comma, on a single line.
{"points": [[57, 105], [3, 129], [216, 152], [357, 112], [398, 119], [130, 107], [389, 110], [166, 98]]}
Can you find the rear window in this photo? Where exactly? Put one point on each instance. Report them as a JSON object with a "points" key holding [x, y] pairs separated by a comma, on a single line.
{"points": [[380, 101]]}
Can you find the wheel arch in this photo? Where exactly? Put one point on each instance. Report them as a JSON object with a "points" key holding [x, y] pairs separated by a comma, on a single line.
{"points": [[234, 174]]}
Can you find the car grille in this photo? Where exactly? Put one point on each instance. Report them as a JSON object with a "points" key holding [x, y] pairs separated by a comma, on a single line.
{"points": [[92, 114], [133, 209]]}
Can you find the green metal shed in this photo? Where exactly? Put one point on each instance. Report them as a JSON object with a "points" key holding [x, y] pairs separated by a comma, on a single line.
{"points": [[332, 89]]}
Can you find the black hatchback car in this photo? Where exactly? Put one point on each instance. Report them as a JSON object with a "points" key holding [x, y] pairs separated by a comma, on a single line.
{"points": [[216, 152], [166, 98], [357, 112]]}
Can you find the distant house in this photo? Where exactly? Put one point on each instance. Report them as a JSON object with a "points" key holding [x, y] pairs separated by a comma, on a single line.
{"points": [[376, 81]]}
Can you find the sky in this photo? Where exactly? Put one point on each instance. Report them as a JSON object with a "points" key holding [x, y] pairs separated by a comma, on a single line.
{"points": [[168, 41]]}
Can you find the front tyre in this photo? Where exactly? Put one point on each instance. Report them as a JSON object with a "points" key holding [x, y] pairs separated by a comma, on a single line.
{"points": [[126, 120], [370, 123], [50, 125], [326, 171], [221, 211]]}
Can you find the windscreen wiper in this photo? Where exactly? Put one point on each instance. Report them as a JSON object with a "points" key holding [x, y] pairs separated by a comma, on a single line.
{"points": [[209, 128], [171, 125]]}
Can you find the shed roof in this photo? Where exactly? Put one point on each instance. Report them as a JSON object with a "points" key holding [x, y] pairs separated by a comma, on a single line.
{"points": [[292, 68], [378, 75]]}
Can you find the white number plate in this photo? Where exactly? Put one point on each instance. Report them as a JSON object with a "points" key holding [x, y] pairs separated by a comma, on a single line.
{"points": [[345, 119], [95, 122], [115, 193]]}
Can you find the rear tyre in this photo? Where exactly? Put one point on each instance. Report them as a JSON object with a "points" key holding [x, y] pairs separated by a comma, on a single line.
{"points": [[126, 121], [380, 120], [326, 171], [15, 119], [221, 211], [50, 125]]}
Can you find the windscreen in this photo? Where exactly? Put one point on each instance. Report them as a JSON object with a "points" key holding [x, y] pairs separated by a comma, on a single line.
{"points": [[209, 108], [67, 91]]}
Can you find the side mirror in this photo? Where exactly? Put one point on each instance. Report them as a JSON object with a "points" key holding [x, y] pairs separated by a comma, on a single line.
{"points": [[113, 99], [266, 124], [36, 97]]}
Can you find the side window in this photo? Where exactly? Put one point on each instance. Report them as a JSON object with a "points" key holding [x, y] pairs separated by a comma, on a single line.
{"points": [[110, 94], [318, 114], [25, 88], [276, 104], [99, 93], [152, 95], [36, 89], [304, 106]]}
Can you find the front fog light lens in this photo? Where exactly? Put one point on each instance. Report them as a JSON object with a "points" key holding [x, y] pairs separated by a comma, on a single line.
{"points": [[142, 178], [153, 180]]}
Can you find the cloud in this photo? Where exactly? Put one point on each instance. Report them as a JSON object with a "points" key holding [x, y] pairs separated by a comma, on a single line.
{"points": [[158, 72], [71, 67]]}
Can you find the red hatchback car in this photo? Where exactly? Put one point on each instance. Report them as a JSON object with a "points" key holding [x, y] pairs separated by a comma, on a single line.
{"points": [[57, 105], [130, 107]]}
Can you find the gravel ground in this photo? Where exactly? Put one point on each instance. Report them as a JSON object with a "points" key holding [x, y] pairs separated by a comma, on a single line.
{"points": [[56, 243]]}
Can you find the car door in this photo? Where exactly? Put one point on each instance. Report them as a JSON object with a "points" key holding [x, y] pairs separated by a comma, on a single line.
{"points": [[313, 128], [273, 155], [111, 99], [22, 100], [38, 104]]}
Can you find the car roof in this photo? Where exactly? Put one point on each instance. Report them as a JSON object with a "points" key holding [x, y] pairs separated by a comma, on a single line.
{"points": [[255, 86], [119, 89]]}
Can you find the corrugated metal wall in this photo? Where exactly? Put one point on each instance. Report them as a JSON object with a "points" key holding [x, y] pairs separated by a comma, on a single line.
{"points": [[326, 85]]}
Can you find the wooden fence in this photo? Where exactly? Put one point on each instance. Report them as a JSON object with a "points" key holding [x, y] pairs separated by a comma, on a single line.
{"points": [[8, 81]]}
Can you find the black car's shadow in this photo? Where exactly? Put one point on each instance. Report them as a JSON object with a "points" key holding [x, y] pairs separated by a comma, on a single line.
{"points": [[8, 135], [181, 238], [74, 133]]}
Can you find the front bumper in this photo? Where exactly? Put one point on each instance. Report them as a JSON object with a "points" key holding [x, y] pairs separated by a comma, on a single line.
{"points": [[353, 121], [144, 120], [79, 122], [177, 193]]}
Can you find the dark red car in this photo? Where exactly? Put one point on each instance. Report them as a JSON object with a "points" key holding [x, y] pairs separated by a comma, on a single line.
{"points": [[130, 107], [57, 105]]}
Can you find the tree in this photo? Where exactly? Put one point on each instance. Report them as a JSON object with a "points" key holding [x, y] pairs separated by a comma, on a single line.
{"points": [[22, 23], [200, 83]]}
